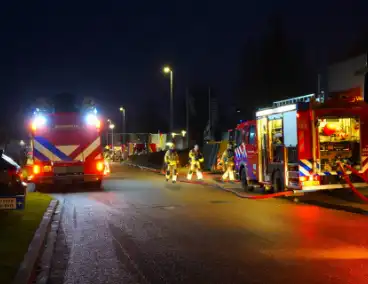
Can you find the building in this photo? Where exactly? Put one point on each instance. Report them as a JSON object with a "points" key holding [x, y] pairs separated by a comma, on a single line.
{"points": [[348, 77]]}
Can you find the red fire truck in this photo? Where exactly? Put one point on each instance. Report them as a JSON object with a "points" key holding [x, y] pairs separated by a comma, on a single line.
{"points": [[297, 144], [66, 148]]}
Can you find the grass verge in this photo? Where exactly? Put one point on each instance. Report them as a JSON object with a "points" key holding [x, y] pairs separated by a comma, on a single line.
{"points": [[16, 232]]}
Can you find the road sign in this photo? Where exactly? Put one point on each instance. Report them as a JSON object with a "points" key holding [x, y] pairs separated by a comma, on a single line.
{"points": [[12, 202]]}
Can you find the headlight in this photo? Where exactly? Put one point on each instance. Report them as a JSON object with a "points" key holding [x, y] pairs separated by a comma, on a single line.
{"points": [[38, 121], [93, 120]]}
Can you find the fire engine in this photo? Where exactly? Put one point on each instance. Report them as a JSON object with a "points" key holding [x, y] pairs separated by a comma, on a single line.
{"points": [[298, 144], [66, 148]]}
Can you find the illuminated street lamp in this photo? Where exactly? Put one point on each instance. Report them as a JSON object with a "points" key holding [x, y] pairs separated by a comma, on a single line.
{"points": [[112, 126], [183, 132], [168, 70]]}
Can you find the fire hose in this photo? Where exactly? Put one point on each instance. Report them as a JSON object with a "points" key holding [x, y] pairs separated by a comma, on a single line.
{"points": [[348, 181]]}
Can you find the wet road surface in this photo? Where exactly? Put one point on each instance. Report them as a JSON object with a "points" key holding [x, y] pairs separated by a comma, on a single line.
{"points": [[144, 230]]}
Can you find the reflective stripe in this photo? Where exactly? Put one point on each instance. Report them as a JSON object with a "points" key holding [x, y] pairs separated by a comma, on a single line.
{"points": [[44, 151], [52, 148], [88, 151], [305, 166]]}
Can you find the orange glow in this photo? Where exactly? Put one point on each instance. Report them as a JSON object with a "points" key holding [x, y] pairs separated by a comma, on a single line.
{"points": [[302, 179], [36, 169], [100, 166], [297, 115], [98, 124], [330, 129], [33, 126]]}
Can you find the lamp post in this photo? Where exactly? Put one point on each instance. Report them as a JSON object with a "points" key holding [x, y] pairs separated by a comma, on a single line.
{"points": [[122, 110], [107, 131], [168, 70], [112, 126]]}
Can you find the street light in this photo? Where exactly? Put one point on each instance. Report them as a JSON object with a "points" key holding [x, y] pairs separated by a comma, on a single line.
{"points": [[112, 126], [183, 132], [122, 110], [168, 70]]}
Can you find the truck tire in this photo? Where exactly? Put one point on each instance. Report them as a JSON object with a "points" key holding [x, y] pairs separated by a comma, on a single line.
{"points": [[93, 185], [277, 185], [97, 185], [244, 181]]}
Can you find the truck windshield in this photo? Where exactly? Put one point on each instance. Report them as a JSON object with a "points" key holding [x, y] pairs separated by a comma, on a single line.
{"points": [[65, 103]]}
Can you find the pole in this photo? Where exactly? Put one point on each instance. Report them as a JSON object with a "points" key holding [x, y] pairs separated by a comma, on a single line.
{"points": [[171, 101], [187, 116], [209, 112], [319, 85], [107, 137], [112, 139], [124, 126]]}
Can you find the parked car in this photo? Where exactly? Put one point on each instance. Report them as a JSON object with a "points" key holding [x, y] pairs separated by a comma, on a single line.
{"points": [[12, 187]]}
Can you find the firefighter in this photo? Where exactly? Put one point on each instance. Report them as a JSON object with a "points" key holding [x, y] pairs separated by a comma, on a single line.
{"points": [[228, 163], [107, 154], [172, 161], [195, 160]]}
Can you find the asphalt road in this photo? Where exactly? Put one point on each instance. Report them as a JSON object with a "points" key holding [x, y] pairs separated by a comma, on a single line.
{"points": [[144, 230]]}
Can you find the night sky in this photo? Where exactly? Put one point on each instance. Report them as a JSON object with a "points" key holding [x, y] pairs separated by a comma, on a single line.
{"points": [[114, 50]]}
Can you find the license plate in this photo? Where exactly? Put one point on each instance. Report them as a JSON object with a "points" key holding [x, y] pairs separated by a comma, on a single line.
{"points": [[311, 183], [8, 203], [60, 170]]}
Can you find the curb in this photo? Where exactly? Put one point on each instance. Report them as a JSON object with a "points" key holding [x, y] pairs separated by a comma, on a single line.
{"points": [[350, 209], [46, 257], [28, 266]]}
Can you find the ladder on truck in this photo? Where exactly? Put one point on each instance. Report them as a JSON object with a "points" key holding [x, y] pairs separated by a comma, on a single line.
{"points": [[304, 99]]}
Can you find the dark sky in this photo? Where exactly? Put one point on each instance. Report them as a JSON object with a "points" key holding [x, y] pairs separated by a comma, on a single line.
{"points": [[113, 50]]}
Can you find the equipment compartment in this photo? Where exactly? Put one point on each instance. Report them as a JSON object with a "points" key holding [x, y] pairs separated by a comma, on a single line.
{"points": [[339, 140]]}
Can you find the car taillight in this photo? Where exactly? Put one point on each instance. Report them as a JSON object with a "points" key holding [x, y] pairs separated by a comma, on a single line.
{"points": [[100, 166], [36, 169]]}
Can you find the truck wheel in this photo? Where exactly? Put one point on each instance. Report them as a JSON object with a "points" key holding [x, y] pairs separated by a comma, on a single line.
{"points": [[277, 182], [93, 185], [98, 185], [244, 181]]}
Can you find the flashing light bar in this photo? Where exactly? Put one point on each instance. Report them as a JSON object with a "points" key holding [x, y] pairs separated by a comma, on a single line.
{"points": [[92, 119], [38, 121], [276, 110]]}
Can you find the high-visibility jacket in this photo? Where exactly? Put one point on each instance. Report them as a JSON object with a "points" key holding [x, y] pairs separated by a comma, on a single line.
{"points": [[228, 156], [195, 156], [171, 158]]}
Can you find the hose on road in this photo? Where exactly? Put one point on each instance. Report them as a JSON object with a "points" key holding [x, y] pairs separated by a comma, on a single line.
{"points": [[239, 194], [348, 181]]}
